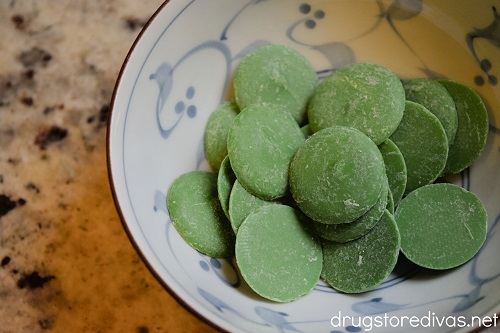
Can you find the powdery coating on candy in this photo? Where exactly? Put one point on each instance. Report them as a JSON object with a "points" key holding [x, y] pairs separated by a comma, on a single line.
{"points": [[421, 139], [196, 214], [216, 130], [261, 144], [367, 97], [442, 225], [395, 167], [337, 175], [364, 263], [472, 128], [277, 254], [275, 74], [437, 100], [241, 204], [349, 231], [225, 181]]}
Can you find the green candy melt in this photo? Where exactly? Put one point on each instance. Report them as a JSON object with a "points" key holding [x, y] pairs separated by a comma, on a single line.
{"points": [[362, 264], [225, 182], [472, 128], [278, 254], [367, 97], [275, 74], [345, 232], [216, 131], [197, 215], [241, 204], [337, 175], [422, 140], [437, 100], [261, 144], [395, 167], [442, 225]]}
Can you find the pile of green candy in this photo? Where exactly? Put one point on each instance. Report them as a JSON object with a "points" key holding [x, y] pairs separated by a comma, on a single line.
{"points": [[333, 179]]}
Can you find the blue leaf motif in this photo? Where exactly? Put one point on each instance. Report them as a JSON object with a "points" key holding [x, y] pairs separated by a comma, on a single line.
{"points": [[163, 76], [235, 17], [274, 318], [376, 306], [217, 303], [226, 270], [353, 329], [160, 202], [223, 307], [469, 300], [491, 33], [405, 9]]}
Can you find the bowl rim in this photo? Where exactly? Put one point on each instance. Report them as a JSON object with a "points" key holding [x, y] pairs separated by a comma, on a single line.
{"points": [[111, 178], [111, 182]]}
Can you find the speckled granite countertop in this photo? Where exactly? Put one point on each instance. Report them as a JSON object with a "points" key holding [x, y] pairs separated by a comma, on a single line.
{"points": [[66, 262]]}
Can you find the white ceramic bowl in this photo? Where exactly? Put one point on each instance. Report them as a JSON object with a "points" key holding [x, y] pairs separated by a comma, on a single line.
{"points": [[180, 69]]}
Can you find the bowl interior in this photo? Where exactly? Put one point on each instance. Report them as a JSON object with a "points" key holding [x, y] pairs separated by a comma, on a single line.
{"points": [[180, 69]]}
